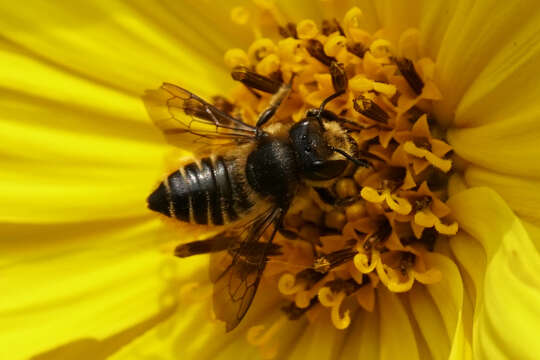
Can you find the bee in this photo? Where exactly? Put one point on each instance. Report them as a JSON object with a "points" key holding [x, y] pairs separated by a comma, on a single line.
{"points": [[244, 179]]}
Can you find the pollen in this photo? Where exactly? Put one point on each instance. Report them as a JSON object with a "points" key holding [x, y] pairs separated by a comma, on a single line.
{"points": [[373, 227]]}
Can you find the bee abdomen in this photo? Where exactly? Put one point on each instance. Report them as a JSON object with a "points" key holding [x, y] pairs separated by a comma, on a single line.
{"points": [[202, 193]]}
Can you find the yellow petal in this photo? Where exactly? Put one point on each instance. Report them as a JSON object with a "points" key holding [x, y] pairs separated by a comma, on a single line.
{"points": [[513, 67], [448, 296], [175, 338], [456, 184], [396, 334], [509, 146], [430, 322], [471, 257], [434, 21], [321, 340], [511, 278], [83, 281], [56, 173], [521, 194], [107, 43], [471, 44], [534, 233], [363, 337], [396, 17]]}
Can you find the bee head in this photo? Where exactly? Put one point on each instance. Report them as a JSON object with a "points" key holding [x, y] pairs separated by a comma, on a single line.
{"points": [[313, 153]]}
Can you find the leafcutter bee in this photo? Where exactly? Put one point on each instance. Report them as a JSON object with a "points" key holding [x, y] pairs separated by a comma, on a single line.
{"points": [[245, 177]]}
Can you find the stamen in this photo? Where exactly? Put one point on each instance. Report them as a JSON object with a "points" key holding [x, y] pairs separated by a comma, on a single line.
{"points": [[316, 49], [307, 29], [443, 164], [254, 80], [366, 263], [356, 48], [339, 78], [370, 109], [294, 312], [258, 337], [261, 48], [288, 30], [235, 58], [380, 48], [427, 219], [406, 67], [352, 20], [408, 46], [398, 204], [334, 44], [287, 285], [328, 299], [331, 26]]}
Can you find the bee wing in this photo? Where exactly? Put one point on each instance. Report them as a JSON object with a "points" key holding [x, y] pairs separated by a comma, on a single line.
{"points": [[186, 119], [236, 274]]}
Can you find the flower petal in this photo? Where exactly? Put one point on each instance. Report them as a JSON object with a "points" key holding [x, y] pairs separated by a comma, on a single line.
{"points": [[320, 340], [521, 194], [511, 278], [362, 341], [481, 35], [83, 281], [175, 338], [514, 67], [534, 233], [449, 297], [430, 322], [397, 338], [125, 45], [509, 146], [456, 184]]}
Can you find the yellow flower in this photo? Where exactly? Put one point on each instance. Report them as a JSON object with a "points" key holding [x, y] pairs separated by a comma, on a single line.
{"points": [[84, 272]]}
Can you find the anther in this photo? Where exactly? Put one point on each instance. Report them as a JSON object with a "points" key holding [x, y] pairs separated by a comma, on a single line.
{"points": [[294, 312], [422, 203], [289, 30], [379, 236], [331, 26], [316, 49], [357, 49], [339, 76], [335, 259], [310, 276], [348, 286], [370, 109], [406, 68], [255, 81], [406, 262]]}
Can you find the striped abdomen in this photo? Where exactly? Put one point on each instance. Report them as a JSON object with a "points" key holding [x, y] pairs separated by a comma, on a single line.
{"points": [[202, 193]]}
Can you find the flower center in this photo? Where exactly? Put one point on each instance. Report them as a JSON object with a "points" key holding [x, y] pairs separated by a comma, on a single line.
{"points": [[370, 227]]}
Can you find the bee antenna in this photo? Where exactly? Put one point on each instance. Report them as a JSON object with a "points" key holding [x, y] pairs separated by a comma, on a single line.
{"points": [[359, 162], [291, 79], [325, 102]]}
